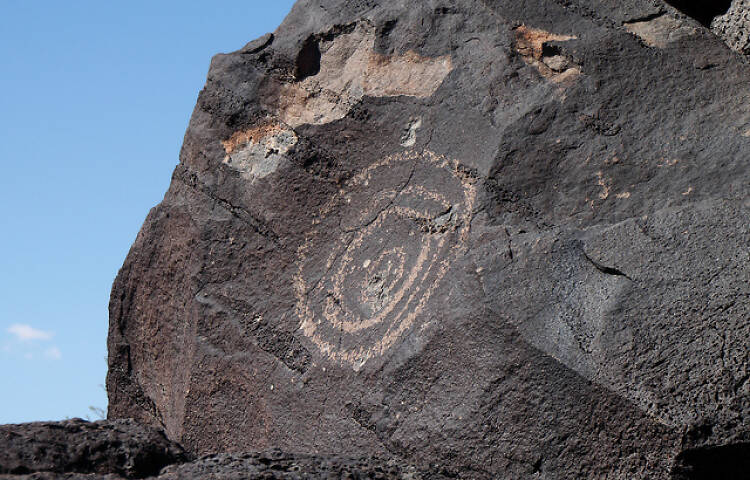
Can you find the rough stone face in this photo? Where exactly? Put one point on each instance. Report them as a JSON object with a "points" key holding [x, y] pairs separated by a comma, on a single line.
{"points": [[268, 466], [734, 26], [73, 448], [278, 465], [510, 238]]}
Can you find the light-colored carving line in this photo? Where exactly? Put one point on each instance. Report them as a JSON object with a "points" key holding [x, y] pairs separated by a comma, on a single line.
{"points": [[419, 189], [413, 290], [349, 326]]}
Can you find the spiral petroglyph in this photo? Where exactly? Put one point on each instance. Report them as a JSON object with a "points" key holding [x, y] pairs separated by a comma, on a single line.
{"points": [[396, 227]]}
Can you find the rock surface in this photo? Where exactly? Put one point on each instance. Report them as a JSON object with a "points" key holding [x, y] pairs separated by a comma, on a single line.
{"points": [[76, 447], [122, 449], [278, 465], [510, 238], [734, 26]]}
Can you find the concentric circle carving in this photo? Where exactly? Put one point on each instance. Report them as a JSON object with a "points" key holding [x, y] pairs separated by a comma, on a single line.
{"points": [[377, 253]]}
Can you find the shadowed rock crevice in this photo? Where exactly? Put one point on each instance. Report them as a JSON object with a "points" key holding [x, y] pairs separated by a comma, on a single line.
{"points": [[726, 462], [308, 59], [704, 11], [605, 269]]}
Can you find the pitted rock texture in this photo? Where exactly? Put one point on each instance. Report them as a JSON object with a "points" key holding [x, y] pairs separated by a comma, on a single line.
{"points": [[75, 448], [729, 19], [509, 238], [734, 26], [274, 465]]}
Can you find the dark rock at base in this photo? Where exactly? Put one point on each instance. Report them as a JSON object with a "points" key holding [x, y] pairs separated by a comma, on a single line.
{"points": [[63, 476], [71, 448], [272, 465], [282, 466]]}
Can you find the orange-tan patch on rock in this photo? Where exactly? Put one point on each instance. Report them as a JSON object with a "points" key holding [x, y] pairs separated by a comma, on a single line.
{"points": [[530, 44], [409, 74], [604, 184], [667, 162], [349, 70], [241, 138], [258, 151]]}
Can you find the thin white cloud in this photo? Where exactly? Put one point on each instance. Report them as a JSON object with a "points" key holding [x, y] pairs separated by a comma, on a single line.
{"points": [[26, 332], [53, 353]]}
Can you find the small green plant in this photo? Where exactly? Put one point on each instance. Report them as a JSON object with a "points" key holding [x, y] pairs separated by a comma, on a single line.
{"points": [[96, 414]]}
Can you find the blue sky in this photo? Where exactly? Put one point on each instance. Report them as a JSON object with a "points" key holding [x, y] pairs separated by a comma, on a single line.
{"points": [[94, 101]]}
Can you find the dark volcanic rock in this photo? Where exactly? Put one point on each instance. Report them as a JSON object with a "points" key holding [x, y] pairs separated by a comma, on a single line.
{"points": [[269, 466], [278, 465], [734, 25], [506, 237], [74, 447], [63, 476]]}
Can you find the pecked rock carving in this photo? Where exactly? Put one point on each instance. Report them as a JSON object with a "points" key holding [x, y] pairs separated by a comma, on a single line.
{"points": [[496, 239], [374, 287]]}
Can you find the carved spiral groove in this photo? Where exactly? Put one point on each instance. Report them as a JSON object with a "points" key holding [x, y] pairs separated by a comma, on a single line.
{"points": [[395, 229]]}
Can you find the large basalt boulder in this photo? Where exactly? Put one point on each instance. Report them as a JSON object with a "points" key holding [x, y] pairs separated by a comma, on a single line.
{"points": [[74, 448], [506, 237]]}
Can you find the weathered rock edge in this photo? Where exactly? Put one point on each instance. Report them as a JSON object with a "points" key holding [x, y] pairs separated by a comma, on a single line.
{"points": [[122, 449], [119, 447]]}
